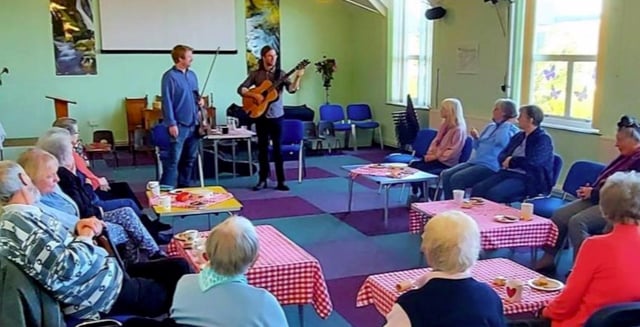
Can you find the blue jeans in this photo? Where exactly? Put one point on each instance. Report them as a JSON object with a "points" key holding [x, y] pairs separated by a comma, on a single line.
{"points": [[463, 176], [183, 152], [108, 205], [502, 187]]}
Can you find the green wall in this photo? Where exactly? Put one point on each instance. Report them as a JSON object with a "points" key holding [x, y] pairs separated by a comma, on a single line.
{"points": [[309, 29]]}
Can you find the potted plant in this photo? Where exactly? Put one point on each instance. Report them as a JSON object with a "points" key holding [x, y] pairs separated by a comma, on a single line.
{"points": [[326, 67]]}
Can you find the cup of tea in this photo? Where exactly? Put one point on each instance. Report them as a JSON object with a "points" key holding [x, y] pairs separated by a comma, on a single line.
{"points": [[165, 202], [526, 211], [191, 235], [225, 130], [154, 187], [458, 196], [513, 290]]}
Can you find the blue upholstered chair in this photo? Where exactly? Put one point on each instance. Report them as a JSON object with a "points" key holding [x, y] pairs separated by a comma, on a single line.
{"points": [[557, 167], [292, 144], [359, 114], [335, 114], [580, 173], [465, 154], [420, 145], [161, 140]]}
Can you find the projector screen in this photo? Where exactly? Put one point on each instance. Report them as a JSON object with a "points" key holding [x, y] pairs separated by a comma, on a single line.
{"points": [[148, 26]]}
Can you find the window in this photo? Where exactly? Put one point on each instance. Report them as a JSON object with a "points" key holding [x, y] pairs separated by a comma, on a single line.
{"points": [[411, 37], [561, 50]]}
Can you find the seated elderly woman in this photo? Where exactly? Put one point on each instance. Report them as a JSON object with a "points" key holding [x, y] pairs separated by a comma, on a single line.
{"points": [[487, 145], [448, 294], [58, 143], [111, 196], [526, 162], [444, 152], [607, 267], [42, 168], [582, 217], [81, 276]]}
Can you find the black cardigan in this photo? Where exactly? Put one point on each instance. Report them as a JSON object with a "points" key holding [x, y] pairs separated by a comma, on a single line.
{"points": [[73, 186]]}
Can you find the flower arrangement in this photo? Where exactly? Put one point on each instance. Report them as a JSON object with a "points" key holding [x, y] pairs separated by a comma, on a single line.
{"points": [[326, 67]]}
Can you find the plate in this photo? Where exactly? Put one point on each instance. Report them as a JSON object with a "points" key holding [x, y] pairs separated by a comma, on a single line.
{"points": [[507, 219], [477, 201], [397, 165], [175, 191], [554, 285]]}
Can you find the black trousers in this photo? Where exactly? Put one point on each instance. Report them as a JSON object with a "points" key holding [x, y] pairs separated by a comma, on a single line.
{"points": [[270, 129], [148, 287], [119, 190]]}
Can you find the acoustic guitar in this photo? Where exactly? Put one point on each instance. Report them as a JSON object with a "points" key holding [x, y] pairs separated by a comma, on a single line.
{"points": [[269, 90]]}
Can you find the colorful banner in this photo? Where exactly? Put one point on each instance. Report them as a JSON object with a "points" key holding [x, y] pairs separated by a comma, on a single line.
{"points": [[74, 41], [263, 28]]}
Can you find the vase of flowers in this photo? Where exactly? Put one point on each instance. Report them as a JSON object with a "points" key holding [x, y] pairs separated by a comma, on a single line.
{"points": [[326, 67]]}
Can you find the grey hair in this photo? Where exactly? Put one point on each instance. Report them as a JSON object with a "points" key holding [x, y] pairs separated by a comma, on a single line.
{"points": [[68, 123], [620, 198], [57, 141], [508, 108], [451, 242], [232, 246], [10, 182], [630, 132]]}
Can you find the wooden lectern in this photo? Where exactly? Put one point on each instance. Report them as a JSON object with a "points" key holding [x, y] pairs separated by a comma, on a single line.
{"points": [[61, 106]]}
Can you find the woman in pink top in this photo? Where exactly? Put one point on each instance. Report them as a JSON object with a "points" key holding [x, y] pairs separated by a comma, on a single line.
{"points": [[607, 267], [444, 151]]}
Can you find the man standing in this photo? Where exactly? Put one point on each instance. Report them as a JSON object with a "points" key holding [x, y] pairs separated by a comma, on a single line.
{"points": [[269, 125], [180, 105]]}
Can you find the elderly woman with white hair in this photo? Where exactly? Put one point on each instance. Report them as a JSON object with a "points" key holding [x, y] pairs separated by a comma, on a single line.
{"points": [[448, 294], [212, 297], [57, 142]]}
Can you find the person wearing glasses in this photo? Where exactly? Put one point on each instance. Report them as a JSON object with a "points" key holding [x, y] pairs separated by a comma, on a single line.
{"points": [[582, 217]]}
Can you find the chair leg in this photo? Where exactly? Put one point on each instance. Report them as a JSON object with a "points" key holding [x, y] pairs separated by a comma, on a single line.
{"points": [[380, 137], [354, 137], [300, 164], [200, 173]]}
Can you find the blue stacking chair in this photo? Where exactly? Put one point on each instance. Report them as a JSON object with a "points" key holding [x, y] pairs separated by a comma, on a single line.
{"points": [[359, 114], [580, 173], [557, 167], [465, 154], [292, 144], [161, 140], [619, 315], [335, 114], [420, 145]]}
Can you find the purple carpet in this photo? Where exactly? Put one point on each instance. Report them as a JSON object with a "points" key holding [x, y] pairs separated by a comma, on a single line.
{"points": [[343, 294], [372, 155], [371, 222], [278, 208], [367, 183], [291, 174]]}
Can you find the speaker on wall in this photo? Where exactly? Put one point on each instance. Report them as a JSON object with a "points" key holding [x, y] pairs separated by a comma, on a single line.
{"points": [[435, 13]]}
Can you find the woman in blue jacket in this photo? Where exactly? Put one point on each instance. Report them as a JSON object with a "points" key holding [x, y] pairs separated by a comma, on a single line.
{"points": [[527, 162], [487, 145]]}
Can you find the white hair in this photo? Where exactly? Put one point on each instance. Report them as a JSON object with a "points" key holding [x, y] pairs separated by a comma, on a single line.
{"points": [[620, 198], [451, 242], [35, 162], [232, 246], [57, 141], [10, 182], [454, 112]]}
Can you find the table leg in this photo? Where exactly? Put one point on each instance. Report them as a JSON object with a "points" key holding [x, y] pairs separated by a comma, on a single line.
{"points": [[425, 187], [233, 157], [534, 256], [350, 193], [250, 157], [215, 160], [301, 314], [209, 220], [386, 204]]}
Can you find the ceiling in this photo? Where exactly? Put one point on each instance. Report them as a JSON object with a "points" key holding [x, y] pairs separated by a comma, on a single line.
{"points": [[378, 6]]}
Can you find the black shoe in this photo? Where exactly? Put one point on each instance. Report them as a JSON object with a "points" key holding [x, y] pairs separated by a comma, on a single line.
{"points": [[158, 255], [162, 239], [282, 187], [261, 185], [160, 227]]}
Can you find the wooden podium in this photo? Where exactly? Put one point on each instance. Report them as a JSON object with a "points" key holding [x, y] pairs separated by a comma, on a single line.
{"points": [[61, 106]]}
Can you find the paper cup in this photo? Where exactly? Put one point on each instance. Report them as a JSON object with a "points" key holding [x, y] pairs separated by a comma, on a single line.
{"points": [[458, 196], [165, 202], [154, 187], [513, 290], [526, 211]]}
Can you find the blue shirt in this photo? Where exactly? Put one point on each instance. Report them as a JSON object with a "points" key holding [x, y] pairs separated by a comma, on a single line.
{"points": [[61, 202], [226, 304], [492, 140], [179, 100]]}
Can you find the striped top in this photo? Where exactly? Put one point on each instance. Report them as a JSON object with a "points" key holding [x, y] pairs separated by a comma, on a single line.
{"points": [[77, 273]]}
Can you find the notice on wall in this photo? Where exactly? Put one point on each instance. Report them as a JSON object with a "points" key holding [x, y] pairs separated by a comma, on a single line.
{"points": [[467, 58]]}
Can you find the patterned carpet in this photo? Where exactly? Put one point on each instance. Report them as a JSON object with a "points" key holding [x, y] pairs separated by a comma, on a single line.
{"points": [[313, 214]]}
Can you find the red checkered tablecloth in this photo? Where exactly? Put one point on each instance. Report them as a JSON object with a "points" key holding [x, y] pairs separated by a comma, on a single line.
{"points": [[536, 232], [380, 290], [291, 274]]}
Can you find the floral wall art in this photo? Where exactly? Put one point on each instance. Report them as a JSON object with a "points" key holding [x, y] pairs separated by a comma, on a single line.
{"points": [[73, 37], [263, 28]]}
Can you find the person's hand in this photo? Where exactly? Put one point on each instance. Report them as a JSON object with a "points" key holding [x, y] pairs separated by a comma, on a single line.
{"points": [[505, 163], [173, 131], [584, 192], [201, 102], [89, 227], [257, 98], [429, 157], [299, 72], [103, 183], [474, 133]]}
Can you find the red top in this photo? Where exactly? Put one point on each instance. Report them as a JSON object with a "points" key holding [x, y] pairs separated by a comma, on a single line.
{"points": [[81, 165], [606, 272]]}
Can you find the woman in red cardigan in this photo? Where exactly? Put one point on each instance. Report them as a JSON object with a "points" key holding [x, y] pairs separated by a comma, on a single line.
{"points": [[607, 267]]}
